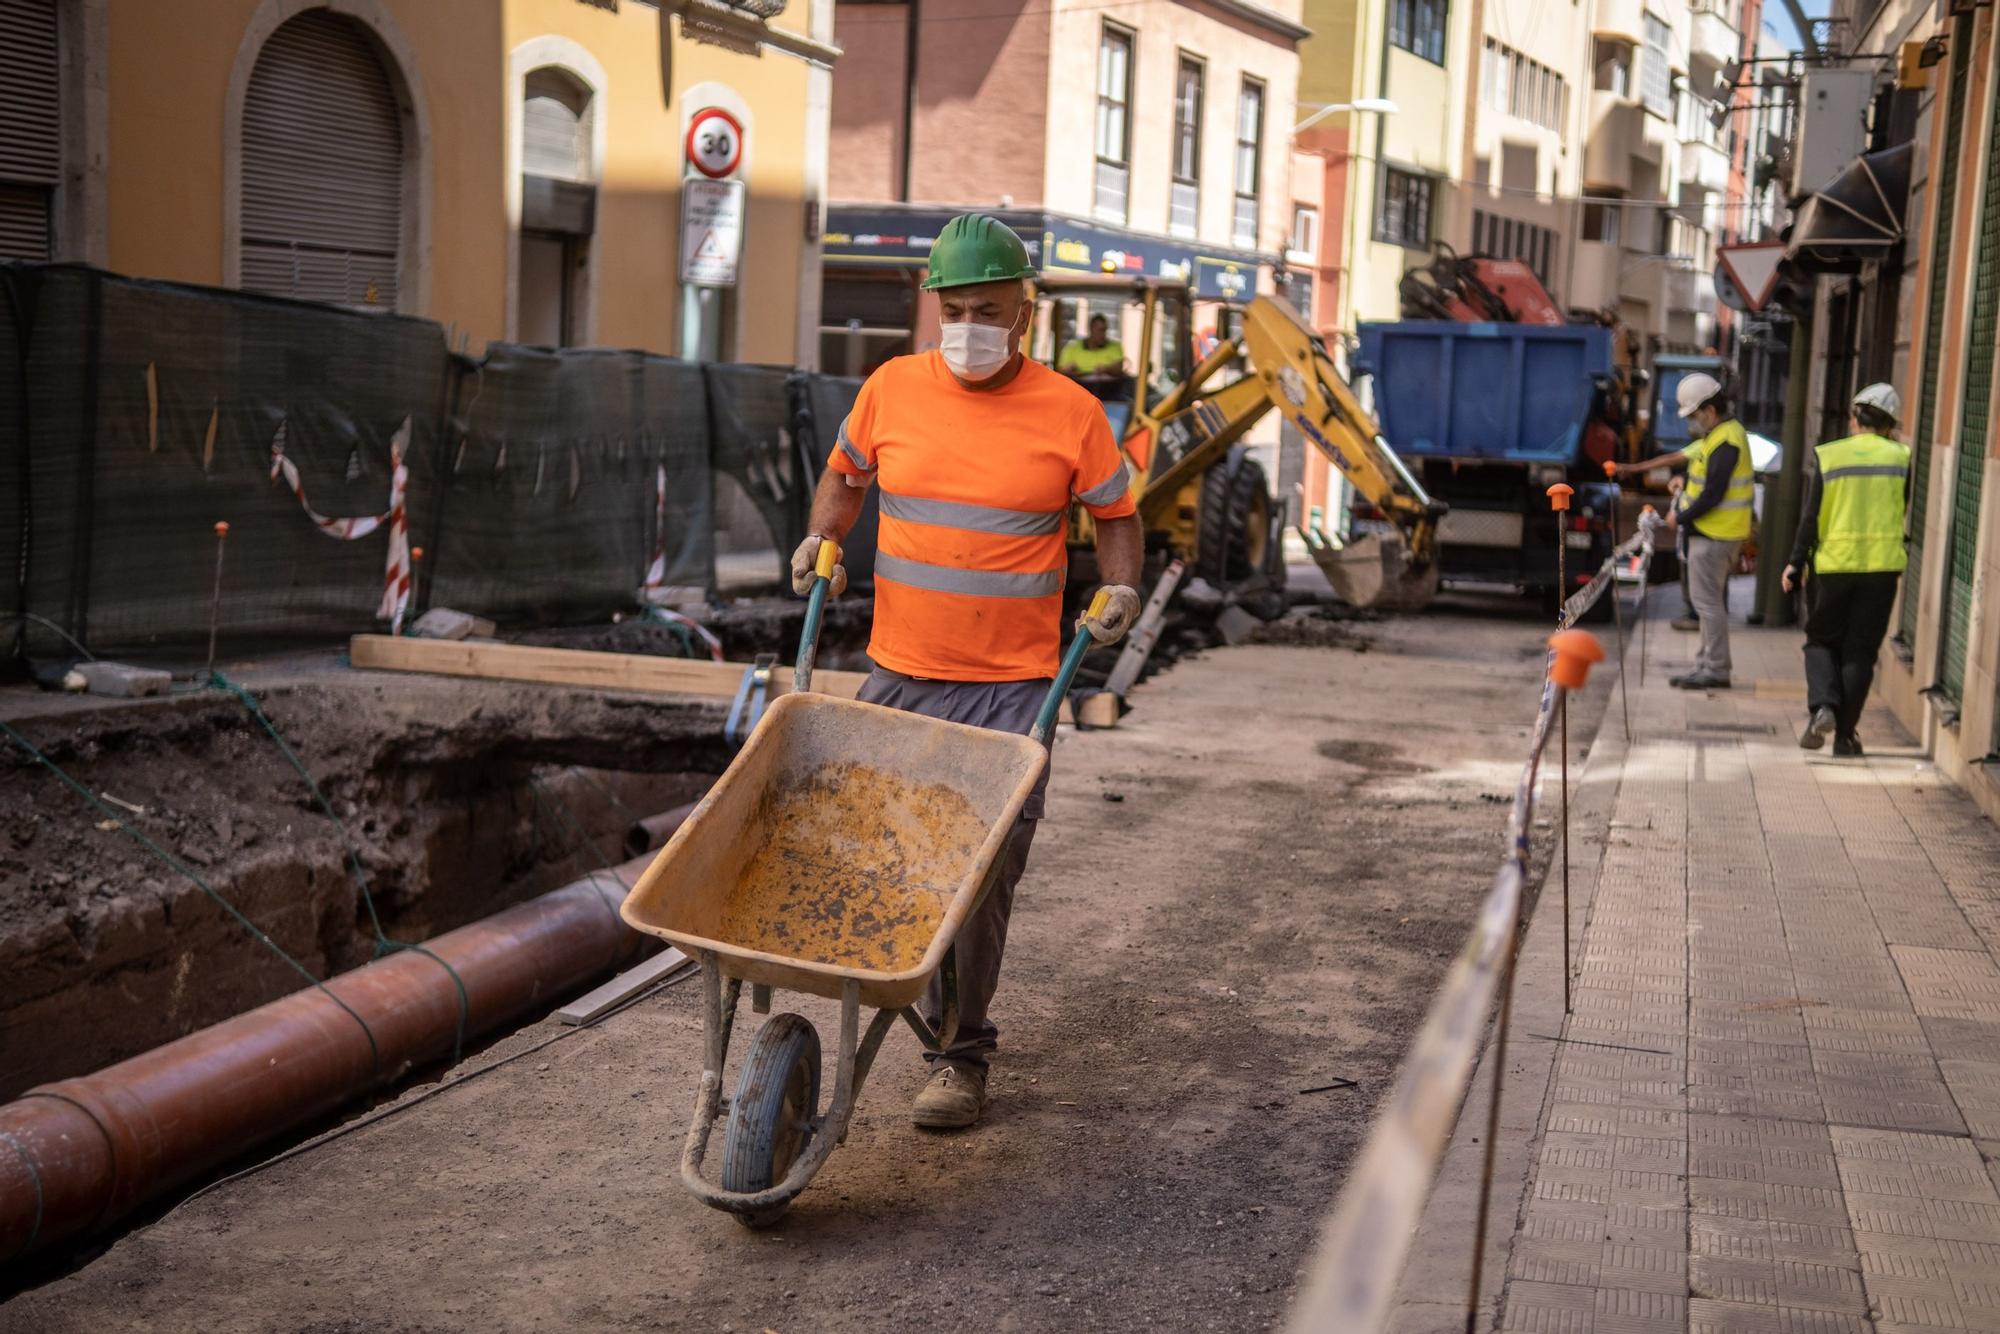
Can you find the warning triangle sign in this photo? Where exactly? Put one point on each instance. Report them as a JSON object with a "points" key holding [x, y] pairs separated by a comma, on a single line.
{"points": [[1754, 269], [711, 248]]}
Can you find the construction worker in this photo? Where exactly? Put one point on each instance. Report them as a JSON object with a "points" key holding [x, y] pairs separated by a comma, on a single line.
{"points": [[1714, 506], [1852, 533], [1097, 361], [978, 452]]}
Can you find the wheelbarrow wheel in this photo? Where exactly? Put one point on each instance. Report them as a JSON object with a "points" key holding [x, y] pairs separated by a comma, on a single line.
{"points": [[770, 1119]]}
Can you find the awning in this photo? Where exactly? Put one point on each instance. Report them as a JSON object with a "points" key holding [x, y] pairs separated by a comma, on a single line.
{"points": [[900, 235], [1855, 217]]}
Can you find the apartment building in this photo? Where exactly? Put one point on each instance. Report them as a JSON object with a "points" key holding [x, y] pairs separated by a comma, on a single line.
{"points": [[1146, 139], [512, 168]]}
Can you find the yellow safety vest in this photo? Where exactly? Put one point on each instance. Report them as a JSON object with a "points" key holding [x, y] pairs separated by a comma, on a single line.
{"points": [[1081, 357], [1730, 520], [1861, 505]]}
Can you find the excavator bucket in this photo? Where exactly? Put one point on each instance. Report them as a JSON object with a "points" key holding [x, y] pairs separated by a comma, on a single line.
{"points": [[1374, 571]]}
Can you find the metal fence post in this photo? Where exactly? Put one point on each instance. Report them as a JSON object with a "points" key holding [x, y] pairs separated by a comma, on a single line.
{"points": [[1559, 495]]}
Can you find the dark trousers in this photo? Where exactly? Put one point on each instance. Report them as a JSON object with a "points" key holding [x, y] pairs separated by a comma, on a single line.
{"points": [[1844, 629], [1004, 706]]}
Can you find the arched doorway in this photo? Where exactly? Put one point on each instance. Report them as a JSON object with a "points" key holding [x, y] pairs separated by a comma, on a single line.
{"points": [[324, 144]]}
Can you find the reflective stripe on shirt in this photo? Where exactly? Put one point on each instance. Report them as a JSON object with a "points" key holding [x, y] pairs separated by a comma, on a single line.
{"points": [[978, 518], [976, 583], [1108, 490]]}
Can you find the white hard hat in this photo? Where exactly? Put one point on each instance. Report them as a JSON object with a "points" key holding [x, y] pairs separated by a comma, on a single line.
{"points": [[1883, 398], [1695, 390]]}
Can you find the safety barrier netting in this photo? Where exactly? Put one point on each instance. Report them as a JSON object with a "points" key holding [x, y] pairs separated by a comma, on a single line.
{"points": [[542, 485], [1353, 1277]]}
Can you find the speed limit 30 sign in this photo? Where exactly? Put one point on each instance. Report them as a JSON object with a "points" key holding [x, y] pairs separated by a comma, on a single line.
{"points": [[714, 143]]}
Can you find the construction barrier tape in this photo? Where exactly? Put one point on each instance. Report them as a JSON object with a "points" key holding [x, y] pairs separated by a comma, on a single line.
{"points": [[396, 577], [1352, 1280]]}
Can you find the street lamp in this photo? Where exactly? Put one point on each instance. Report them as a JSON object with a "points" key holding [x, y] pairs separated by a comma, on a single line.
{"points": [[1381, 106]]}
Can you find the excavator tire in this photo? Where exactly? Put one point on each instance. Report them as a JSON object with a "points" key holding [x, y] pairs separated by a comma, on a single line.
{"points": [[1234, 524]]}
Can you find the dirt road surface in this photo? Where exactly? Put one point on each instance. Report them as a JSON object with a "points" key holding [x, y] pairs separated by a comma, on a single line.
{"points": [[1247, 891]]}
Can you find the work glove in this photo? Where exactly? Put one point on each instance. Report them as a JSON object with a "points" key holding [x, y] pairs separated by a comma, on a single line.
{"points": [[1121, 609], [802, 569]]}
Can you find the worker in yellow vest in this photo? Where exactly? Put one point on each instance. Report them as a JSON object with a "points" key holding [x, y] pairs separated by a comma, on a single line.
{"points": [[1852, 532], [1714, 506]]}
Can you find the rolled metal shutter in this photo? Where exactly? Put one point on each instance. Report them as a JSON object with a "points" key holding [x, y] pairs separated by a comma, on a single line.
{"points": [[322, 207], [30, 128], [1944, 179], [1982, 341]]}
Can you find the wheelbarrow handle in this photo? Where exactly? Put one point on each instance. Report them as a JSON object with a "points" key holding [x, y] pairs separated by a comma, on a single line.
{"points": [[828, 557], [1079, 644]]}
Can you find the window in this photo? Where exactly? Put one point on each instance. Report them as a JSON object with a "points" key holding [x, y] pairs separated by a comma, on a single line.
{"points": [[1613, 68], [1249, 162], [1304, 245], [1114, 121], [1508, 238], [1403, 215], [558, 209], [1656, 81], [30, 131], [322, 193], [1184, 208], [1418, 27], [1600, 222], [1522, 86]]}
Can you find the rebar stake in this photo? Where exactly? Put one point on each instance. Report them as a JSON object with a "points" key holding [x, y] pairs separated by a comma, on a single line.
{"points": [[215, 600], [1559, 495]]}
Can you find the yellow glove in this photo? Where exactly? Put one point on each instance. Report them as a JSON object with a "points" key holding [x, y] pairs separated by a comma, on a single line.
{"points": [[1121, 609], [802, 569]]}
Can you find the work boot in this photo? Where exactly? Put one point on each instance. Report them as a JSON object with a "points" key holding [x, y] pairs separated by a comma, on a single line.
{"points": [[953, 1099], [1818, 728], [1687, 622], [1700, 681], [1847, 747]]}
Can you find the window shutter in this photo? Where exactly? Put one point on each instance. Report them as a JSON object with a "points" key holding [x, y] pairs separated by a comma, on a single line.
{"points": [[322, 207], [555, 127], [1961, 567], [30, 127], [1944, 179]]}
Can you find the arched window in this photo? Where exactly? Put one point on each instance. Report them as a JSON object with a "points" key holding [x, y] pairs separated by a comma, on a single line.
{"points": [[558, 207], [322, 199]]}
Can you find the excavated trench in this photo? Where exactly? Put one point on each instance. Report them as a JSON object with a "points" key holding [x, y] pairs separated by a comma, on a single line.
{"points": [[460, 798]]}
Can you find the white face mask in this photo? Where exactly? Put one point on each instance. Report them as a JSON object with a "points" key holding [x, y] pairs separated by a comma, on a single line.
{"points": [[975, 351]]}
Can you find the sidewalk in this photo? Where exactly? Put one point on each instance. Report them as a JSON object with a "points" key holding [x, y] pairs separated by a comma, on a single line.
{"points": [[1774, 1102]]}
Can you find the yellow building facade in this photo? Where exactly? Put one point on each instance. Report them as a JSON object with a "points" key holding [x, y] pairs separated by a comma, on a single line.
{"points": [[520, 162]]}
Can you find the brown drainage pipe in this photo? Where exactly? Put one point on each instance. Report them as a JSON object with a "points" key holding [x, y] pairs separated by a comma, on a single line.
{"points": [[79, 1154], [651, 834]]}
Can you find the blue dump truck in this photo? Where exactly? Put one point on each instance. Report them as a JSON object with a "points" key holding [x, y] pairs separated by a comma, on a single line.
{"points": [[1488, 417]]}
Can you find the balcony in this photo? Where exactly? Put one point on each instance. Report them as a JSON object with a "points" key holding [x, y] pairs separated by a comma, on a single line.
{"points": [[1617, 133], [1689, 290], [1622, 19], [1713, 44], [1704, 165], [1594, 286]]}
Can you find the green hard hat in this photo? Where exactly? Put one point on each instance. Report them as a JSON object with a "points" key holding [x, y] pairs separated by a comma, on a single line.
{"points": [[975, 248]]}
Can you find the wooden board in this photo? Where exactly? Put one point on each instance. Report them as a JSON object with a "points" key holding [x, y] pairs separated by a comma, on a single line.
{"points": [[624, 986], [578, 667], [583, 667]]}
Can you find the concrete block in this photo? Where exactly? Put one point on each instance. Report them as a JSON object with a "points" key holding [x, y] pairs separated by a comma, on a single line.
{"points": [[115, 678], [444, 623], [1236, 624]]}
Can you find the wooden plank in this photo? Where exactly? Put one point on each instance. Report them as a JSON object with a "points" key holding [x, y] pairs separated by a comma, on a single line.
{"points": [[642, 672], [578, 667], [623, 987]]}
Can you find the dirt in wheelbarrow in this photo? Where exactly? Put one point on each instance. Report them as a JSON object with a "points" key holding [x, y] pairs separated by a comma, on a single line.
{"points": [[1243, 897]]}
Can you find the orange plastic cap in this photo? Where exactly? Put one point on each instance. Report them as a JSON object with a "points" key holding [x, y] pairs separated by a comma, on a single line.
{"points": [[221, 529], [1575, 650], [416, 553], [1648, 509], [1559, 495], [1610, 467]]}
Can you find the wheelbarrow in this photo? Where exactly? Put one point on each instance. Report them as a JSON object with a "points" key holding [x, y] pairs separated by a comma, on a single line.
{"points": [[838, 855]]}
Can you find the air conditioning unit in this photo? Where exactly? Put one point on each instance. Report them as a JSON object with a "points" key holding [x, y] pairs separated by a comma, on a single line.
{"points": [[1833, 124]]}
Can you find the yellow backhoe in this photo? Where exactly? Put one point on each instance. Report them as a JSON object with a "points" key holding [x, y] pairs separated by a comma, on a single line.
{"points": [[1178, 418]]}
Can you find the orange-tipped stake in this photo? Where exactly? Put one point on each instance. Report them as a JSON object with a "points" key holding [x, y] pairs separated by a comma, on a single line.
{"points": [[1559, 495], [215, 599], [1575, 650], [1611, 468], [221, 528], [416, 553]]}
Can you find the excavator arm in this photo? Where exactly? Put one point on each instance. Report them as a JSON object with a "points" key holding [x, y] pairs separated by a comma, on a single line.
{"points": [[1291, 371]]}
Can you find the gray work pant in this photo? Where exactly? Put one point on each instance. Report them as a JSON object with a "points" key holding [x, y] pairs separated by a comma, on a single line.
{"points": [[1004, 706], [1710, 563]]}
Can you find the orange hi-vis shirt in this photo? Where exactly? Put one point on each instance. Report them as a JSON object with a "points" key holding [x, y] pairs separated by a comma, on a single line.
{"points": [[975, 494]]}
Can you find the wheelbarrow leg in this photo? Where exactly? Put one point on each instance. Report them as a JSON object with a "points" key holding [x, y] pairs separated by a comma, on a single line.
{"points": [[718, 1017]]}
